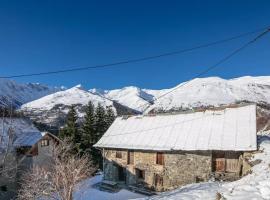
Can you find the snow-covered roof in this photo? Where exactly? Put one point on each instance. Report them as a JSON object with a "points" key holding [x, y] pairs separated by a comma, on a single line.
{"points": [[228, 129], [23, 132]]}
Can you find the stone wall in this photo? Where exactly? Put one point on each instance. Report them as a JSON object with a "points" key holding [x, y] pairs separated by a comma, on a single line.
{"points": [[179, 168], [186, 167]]}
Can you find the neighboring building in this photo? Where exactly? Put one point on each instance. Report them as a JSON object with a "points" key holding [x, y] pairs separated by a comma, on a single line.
{"points": [[21, 146], [162, 152]]}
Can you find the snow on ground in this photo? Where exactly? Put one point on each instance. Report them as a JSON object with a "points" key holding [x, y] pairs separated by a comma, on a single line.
{"points": [[87, 191], [255, 186]]}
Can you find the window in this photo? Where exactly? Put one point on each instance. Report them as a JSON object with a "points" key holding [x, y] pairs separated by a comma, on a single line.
{"points": [[140, 174], [3, 188], [130, 157], [44, 142], [118, 154], [158, 180], [160, 158]]}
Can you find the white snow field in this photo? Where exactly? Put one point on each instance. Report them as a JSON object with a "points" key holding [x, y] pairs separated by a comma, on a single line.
{"points": [[87, 191]]}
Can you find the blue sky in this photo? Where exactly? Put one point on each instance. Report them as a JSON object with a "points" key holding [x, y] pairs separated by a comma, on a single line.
{"points": [[37, 36]]}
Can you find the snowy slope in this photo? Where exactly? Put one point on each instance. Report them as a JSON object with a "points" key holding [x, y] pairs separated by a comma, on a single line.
{"points": [[53, 108], [215, 91], [13, 93], [74, 95], [253, 186], [132, 97], [212, 91]]}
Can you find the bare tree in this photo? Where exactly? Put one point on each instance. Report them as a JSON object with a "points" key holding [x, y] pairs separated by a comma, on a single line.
{"points": [[60, 179]]}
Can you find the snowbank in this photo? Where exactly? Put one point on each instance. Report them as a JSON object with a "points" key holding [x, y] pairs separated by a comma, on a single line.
{"points": [[87, 191]]}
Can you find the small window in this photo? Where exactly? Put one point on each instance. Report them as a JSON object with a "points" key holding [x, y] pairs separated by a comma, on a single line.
{"points": [[118, 154], [140, 174], [160, 158], [130, 157], [158, 180], [3, 188], [44, 143]]}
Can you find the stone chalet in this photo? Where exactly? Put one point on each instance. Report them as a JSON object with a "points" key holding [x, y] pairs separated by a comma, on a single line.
{"points": [[21, 146], [162, 152]]}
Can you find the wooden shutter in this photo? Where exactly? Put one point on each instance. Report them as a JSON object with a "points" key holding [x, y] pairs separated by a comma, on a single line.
{"points": [[219, 162], [160, 158], [130, 157], [232, 162], [118, 154]]}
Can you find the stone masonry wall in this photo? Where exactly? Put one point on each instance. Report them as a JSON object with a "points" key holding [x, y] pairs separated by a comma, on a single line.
{"points": [[186, 167], [179, 168]]}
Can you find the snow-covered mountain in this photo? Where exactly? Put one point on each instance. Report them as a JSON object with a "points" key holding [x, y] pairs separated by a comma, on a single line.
{"points": [[132, 97], [212, 91], [200, 92], [16, 94], [52, 109]]}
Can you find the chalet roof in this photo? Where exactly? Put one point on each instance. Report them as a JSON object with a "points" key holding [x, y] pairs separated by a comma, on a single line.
{"points": [[228, 129], [22, 131]]}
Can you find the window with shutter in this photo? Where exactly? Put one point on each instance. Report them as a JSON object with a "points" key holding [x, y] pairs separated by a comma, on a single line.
{"points": [[160, 158], [118, 154], [130, 157], [44, 142]]}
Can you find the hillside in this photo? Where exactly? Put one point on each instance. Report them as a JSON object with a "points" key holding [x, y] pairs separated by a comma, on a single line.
{"points": [[198, 93], [16, 94], [52, 109]]}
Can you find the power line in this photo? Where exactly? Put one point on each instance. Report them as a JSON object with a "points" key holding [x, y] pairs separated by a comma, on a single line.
{"points": [[198, 75], [136, 59], [211, 67]]}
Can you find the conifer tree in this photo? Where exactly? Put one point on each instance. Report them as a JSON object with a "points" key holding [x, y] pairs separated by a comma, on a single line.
{"points": [[100, 125], [88, 128], [110, 117], [71, 130]]}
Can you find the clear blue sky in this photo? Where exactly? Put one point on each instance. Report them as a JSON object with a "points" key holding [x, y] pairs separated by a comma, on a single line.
{"points": [[38, 36]]}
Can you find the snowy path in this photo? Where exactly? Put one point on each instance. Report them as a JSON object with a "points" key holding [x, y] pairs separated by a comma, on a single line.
{"points": [[87, 192]]}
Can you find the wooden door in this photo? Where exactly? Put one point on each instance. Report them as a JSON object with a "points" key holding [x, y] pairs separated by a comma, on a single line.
{"points": [[121, 174], [219, 164]]}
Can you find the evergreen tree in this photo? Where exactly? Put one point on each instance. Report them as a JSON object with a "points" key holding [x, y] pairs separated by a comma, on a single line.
{"points": [[100, 125], [110, 117], [71, 130], [88, 129]]}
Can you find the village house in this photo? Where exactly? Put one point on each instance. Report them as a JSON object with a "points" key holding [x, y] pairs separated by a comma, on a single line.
{"points": [[162, 152], [22, 146]]}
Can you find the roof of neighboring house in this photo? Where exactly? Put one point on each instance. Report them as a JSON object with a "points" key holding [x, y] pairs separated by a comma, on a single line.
{"points": [[228, 129], [23, 132], [51, 135]]}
